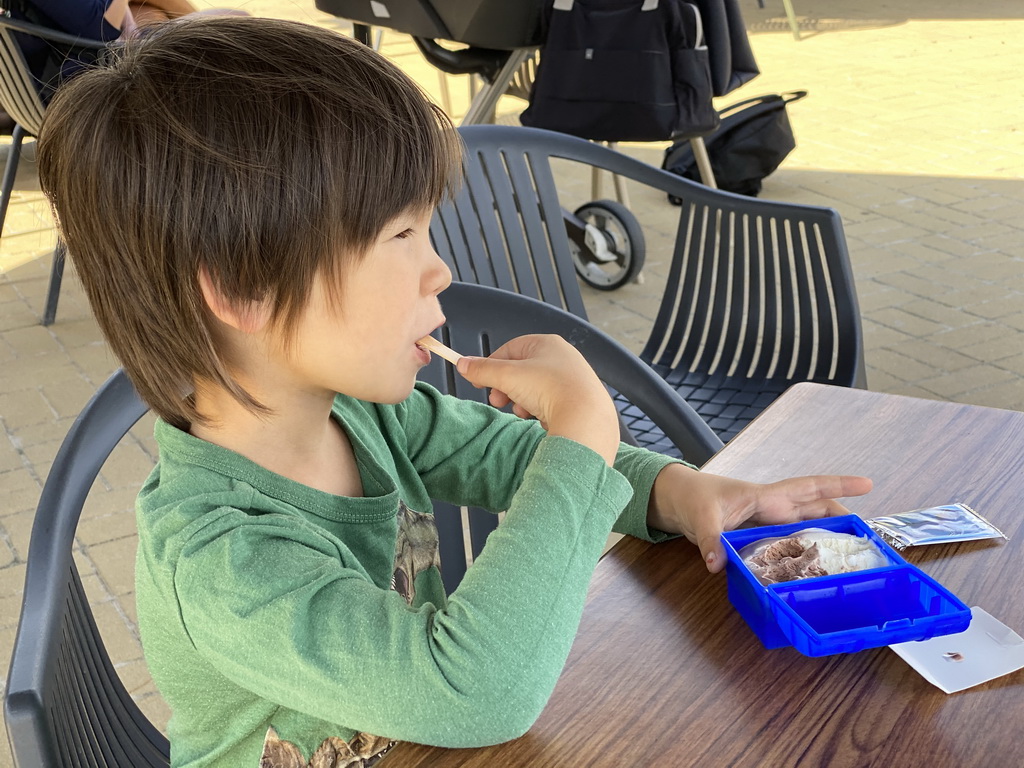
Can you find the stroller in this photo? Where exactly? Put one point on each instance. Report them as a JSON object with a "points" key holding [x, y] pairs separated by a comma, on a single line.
{"points": [[502, 39]]}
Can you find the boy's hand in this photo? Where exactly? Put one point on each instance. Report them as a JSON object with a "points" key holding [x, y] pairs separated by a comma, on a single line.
{"points": [[700, 505], [546, 378]]}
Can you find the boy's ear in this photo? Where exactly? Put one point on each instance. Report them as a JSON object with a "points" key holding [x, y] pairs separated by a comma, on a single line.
{"points": [[247, 317]]}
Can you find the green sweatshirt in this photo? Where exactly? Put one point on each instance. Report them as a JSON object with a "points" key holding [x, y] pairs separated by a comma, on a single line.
{"points": [[286, 625]]}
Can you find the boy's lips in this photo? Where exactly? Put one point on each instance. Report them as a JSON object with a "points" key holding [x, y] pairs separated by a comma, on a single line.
{"points": [[429, 344], [422, 354]]}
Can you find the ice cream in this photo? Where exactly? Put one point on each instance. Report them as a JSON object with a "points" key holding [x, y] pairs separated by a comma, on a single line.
{"points": [[810, 552]]}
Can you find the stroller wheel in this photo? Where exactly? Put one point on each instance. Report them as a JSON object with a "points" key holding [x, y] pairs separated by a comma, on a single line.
{"points": [[612, 249]]}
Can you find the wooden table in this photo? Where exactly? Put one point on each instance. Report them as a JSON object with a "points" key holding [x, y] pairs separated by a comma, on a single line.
{"points": [[664, 672]]}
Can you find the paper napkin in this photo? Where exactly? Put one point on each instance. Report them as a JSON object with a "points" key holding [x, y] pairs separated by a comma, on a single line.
{"points": [[987, 649]]}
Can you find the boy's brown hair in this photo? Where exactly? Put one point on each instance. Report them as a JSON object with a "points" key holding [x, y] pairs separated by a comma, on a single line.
{"points": [[264, 151]]}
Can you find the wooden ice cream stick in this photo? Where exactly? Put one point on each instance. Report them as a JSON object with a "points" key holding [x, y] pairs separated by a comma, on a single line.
{"points": [[431, 344]]}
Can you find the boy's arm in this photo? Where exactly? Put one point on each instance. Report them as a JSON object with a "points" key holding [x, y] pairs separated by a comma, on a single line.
{"points": [[469, 453], [473, 455], [272, 605], [465, 452]]}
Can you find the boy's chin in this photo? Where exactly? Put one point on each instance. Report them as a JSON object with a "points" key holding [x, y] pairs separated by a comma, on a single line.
{"points": [[395, 395]]}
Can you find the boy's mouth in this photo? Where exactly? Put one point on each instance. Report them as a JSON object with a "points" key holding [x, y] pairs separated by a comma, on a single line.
{"points": [[430, 344]]}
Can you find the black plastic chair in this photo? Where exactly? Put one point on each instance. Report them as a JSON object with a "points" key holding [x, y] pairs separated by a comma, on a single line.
{"points": [[760, 294], [65, 705], [20, 98], [481, 319]]}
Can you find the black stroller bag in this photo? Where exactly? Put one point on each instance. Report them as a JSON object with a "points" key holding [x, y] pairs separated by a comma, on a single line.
{"points": [[754, 138]]}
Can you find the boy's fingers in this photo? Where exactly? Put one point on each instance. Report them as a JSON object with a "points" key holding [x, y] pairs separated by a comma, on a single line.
{"points": [[493, 372], [466, 366], [479, 371], [498, 399], [489, 372], [713, 553], [799, 498], [823, 487], [521, 412]]}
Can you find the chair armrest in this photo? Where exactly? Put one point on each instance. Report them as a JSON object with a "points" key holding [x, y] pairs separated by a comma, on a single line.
{"points": [[502, 315]]}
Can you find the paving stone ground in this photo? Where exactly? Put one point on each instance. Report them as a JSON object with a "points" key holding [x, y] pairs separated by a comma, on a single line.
{"points": [[911, 131]]}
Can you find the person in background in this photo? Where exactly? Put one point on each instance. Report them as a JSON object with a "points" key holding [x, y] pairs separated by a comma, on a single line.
{"points": [[102, 20]]}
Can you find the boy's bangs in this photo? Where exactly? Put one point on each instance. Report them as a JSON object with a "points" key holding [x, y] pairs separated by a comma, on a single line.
{"points": [[408, 164]]}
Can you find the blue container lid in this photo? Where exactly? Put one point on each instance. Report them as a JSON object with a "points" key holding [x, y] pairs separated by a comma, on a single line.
{"points": [[841, 613]]}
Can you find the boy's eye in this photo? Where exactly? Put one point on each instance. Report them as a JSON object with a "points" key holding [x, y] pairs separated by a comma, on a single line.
{"points": [[404, 234]]}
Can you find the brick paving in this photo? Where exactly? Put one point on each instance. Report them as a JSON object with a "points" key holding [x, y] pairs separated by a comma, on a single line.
{"points": [[908, 131]]}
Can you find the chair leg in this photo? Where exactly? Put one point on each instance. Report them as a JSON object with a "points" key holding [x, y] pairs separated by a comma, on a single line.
{"points": [[56, 277], [10, 171]]}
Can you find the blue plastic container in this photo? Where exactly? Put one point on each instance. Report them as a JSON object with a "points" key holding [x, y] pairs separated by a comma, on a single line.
{"points": [[845, 612]]}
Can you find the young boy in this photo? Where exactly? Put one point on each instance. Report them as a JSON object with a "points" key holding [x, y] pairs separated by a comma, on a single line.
{"points": [[273, 185]]}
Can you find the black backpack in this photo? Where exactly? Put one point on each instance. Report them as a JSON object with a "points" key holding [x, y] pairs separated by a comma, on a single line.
{"points": [[752, 141]]}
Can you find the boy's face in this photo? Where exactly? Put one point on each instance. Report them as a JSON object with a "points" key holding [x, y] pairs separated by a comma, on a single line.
{"points": [[364, 344]]}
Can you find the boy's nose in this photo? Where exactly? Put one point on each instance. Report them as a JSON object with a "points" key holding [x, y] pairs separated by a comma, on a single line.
{"points": [[439, 275]]}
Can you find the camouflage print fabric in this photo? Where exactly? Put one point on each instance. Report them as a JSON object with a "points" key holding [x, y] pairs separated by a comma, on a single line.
{"points": [[362, 751]]}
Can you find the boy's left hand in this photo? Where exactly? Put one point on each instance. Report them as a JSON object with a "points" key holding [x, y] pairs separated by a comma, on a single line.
{"points": [[700, 505]]}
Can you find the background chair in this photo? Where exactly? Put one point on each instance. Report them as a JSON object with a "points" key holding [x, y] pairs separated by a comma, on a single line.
{"points": [[20, 98], [66, 706], [481, 319], [760, 294]]}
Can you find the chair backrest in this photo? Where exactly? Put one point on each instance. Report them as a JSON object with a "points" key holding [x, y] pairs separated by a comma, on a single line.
{"points": [[761, 291], [504, 226], [19, 94], [756, 287], [479, 320], [64, 704], [19, 88]]}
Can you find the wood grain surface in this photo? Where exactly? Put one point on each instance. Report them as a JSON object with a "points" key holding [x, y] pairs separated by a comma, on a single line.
{"points": [[665, 672]]}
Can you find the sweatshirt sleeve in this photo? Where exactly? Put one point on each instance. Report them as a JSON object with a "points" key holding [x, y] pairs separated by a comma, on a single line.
{"points": [[470, 453], [466, 452], [641, 467], [320, 638]]}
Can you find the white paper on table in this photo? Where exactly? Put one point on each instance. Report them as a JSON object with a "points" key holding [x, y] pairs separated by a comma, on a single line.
{"points": [[987, 649]]}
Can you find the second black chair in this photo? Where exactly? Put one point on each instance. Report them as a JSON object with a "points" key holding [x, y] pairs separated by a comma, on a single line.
{"points": [[759, 294], [481, 319]]}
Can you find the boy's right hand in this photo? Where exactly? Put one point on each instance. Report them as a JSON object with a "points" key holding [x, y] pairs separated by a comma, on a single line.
{"points": [[546, 378]]}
